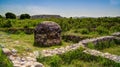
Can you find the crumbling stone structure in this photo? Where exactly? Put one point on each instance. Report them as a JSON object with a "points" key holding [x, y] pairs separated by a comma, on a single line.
{"points": [[47, 33]]}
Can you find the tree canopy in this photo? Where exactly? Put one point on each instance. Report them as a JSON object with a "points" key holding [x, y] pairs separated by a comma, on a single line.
{"points": [[10, 15], [24, 16]]}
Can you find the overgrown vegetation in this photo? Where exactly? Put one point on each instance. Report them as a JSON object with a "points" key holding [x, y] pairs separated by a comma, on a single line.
{"points": [[104, 44], [98, 26], [4, 61], [74, 59]]}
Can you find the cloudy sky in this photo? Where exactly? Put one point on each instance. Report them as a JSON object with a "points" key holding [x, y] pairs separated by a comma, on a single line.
{"points": [[67, 8]]}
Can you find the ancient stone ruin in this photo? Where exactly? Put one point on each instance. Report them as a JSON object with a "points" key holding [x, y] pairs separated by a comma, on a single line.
{"points": [[47, 33]]}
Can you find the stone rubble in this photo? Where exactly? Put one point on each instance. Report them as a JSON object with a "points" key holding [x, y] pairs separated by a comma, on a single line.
{"points": [[116, 34], [61, 50], [96, 40], [83, 43], [22, 61], [105, 55], [30, 61]]}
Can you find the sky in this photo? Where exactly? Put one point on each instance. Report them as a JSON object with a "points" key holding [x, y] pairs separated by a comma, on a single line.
{"points": [[65, 8]]}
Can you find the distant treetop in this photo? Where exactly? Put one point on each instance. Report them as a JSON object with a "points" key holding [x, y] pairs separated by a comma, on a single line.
{"points": [[24, 16], [10, 15]]}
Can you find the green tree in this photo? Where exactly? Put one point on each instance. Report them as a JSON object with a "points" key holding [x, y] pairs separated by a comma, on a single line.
{"points": [[10, 15], [24, 16]]}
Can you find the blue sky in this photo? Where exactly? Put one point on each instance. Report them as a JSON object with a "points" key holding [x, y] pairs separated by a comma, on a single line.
{"points": [[67, 8]]}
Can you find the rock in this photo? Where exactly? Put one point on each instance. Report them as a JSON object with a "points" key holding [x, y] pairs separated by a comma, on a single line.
{"points": [[28, 64], [36, 53], [23, 59], [14, 51], [31, 59], [11, 57], [6, 51], [37, 64], [116, 34], [47, 33], [16, 65]]}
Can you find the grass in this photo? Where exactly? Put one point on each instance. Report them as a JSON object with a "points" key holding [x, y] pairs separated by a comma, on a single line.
{"points": [[113, 50], [76, 58], [4, 61], [112, 46], [23, 41]]}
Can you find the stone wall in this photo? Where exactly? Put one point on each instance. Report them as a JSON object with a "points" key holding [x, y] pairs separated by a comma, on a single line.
{"points": [[17, 30], [73, 38]]}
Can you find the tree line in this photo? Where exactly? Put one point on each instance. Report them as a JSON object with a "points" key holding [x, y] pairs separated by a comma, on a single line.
{"points": [[10, 15]]}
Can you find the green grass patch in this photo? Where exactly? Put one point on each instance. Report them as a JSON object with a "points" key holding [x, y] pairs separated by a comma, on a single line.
{"points": [[113, 50], [104, 44], [76, 58], [4, 61]]}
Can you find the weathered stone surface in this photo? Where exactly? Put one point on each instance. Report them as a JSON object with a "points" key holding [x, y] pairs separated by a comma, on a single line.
{"points": [[96, 40], [116, 34], [36, 64], [14, 51], [47, 33], [105, 55], [6, 51], [61, 50]]}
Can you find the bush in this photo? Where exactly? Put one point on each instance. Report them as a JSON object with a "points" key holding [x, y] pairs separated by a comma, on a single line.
{"points": [[91, 45], [55, 61], [82, 31], [6, 24], [10, 15], [105, 44], [24, 16], [102, 30]]}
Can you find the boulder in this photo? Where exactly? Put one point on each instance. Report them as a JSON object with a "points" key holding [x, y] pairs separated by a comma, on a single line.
{"points": [[47, 33], [6, 51], [37, 64]]}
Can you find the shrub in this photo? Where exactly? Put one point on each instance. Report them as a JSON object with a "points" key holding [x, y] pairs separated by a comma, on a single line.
{"points": [[91, 45], [69, 56], [55, 61], [82, 31], [10, 15], [102, 30], [105, 44], [6, 24], [24, 16]]}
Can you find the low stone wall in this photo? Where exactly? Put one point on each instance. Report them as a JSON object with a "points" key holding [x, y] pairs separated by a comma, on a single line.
{"points": [[61, 50], [17, 30], [115, 58], [97, 40], [116, 34], [73, 38]]}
